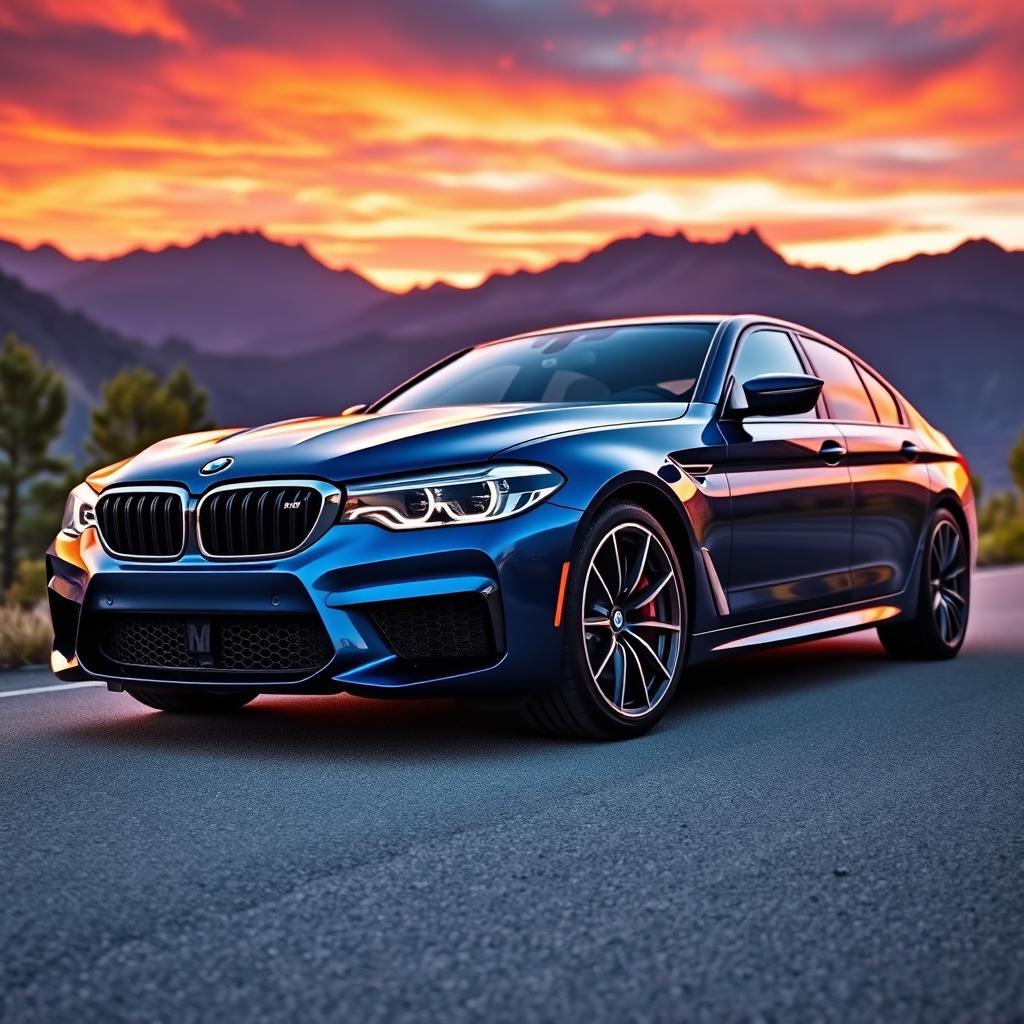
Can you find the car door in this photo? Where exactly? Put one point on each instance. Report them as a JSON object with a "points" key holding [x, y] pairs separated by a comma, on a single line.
{"points": [[891, 492], [792, 498]]}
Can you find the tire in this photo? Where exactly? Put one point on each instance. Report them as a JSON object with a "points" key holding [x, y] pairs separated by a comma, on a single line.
{"points": [[939, 625], [189, 701], [621, 667]]}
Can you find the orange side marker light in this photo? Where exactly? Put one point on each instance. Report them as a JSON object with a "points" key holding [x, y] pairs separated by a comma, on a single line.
{"points": [[560, 603]]}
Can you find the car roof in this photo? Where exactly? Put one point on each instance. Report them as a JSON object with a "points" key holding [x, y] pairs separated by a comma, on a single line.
{"points": [[716, 319]]}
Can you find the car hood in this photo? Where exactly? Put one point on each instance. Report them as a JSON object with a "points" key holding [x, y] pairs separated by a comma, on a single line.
{"points": [[345, 448]]}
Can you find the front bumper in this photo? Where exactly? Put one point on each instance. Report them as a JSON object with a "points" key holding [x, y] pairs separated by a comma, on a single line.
{"points": [[512, 566]]}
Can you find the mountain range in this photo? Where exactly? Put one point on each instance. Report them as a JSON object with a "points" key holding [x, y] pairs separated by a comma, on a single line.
{"points": [[238, 307], [226, 293]]}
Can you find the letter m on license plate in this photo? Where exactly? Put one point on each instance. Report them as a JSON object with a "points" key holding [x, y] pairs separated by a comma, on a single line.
{"points": [[197, 642]]}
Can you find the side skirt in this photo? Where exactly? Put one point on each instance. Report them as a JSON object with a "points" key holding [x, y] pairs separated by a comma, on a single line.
{"points": [[796, 628]]}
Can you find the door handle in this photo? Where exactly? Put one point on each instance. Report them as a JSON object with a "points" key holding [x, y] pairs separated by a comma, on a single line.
{"points": [[909, 451], [832, 451]]}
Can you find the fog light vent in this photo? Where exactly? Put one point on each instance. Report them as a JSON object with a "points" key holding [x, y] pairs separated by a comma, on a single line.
{"points": [[453, 627]]}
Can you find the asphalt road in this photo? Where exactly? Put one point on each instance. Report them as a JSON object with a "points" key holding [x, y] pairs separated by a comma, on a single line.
{"points": [[816, 834]]}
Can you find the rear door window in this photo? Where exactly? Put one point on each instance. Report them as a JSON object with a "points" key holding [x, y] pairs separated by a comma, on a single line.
{"points": [[885, 404], [845, 395]]}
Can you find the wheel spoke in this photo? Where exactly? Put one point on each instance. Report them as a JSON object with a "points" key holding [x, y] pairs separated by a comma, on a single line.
{"points": [[604, 663], [654, 624], [955, 596], [619, 665], [600, 579], [641, 565], [603, 623], [651, 593], [639, 670], [954, 614], [650, 650], [947, 545], [618, 563], [955, 622], [952, 548]]}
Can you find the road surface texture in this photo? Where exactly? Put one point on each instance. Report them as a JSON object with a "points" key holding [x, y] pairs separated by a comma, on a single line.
{"points": [[818, 833]]}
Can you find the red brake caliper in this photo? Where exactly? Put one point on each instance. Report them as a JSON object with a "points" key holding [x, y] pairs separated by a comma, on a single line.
{"points": [[647, 609]]}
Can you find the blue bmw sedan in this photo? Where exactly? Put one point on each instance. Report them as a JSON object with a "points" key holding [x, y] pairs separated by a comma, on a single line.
{"points": [[563, 521]]}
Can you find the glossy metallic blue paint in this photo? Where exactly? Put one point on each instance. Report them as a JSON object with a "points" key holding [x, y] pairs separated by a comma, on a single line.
{"points": [[773, 535]]}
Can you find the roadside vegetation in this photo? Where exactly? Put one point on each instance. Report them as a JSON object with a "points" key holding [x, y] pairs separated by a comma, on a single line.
{"points": [[1001, 516], [24, 637], [136, 409]]}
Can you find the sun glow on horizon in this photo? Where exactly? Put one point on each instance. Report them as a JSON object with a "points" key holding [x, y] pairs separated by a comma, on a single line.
{"points": [[417, 145]]}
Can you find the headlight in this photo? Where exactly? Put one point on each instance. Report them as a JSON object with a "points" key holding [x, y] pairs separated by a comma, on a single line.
{"points": [[79, 510], [444, 499]]}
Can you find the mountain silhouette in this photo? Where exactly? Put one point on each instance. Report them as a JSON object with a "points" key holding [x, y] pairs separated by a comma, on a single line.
{"points": [[225, 293], [945, 328], [653, 274]]}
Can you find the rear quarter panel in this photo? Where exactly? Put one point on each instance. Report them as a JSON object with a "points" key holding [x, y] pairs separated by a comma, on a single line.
{"points": [[949, 475]]}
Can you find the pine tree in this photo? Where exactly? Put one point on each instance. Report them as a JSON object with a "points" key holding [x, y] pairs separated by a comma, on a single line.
{"points": [[1017, 463], [33, 403], [137, 411]]}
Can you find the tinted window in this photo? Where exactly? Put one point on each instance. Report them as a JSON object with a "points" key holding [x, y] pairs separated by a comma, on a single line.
{"points": [[845, 396], [635, 363], [885, 405], [765, 352]]}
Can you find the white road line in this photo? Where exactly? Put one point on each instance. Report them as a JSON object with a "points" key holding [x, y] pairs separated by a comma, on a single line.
{"points": [[50, 689]]}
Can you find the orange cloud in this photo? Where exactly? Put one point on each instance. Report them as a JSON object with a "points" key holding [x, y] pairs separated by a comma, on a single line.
{"points": [[451, 139], [125, 17]]}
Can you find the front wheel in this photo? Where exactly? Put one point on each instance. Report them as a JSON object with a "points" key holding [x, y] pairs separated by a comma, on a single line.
{"points": [[938, 628], [189, 701], [625, 631]]}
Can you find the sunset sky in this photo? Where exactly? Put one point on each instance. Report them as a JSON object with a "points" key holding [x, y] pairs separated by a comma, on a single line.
{"points": [[418, 139]]}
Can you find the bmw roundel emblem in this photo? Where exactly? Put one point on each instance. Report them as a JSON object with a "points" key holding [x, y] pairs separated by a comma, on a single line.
{"points": [[216, 466]]}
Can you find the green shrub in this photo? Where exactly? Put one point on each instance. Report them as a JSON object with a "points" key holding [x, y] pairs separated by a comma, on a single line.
{"points": [[25, 637], [997, 511], [29, 587], [1002, 546]]}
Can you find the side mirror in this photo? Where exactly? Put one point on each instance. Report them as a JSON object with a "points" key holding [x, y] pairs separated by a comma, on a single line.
{"points": [[353, 409], [780, 394]]}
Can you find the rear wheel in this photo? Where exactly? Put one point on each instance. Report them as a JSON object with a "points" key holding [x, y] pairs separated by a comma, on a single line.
{"points": [[625, 631], [940, 624], [190, 701]]}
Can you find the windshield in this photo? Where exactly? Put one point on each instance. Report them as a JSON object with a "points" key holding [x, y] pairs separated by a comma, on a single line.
{"points": [[634, 363]]}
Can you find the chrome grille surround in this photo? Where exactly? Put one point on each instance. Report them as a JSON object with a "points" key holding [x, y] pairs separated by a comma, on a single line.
{"points": [[327, 495], [112, 494]]}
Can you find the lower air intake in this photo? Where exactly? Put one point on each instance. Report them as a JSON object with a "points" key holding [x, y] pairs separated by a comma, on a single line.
{"points": [[454, 627], [228, 644]]}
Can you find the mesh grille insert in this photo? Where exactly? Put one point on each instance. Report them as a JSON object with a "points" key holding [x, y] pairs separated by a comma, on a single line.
{"points": [[453, 627], [149, 524], [285, 643]]}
